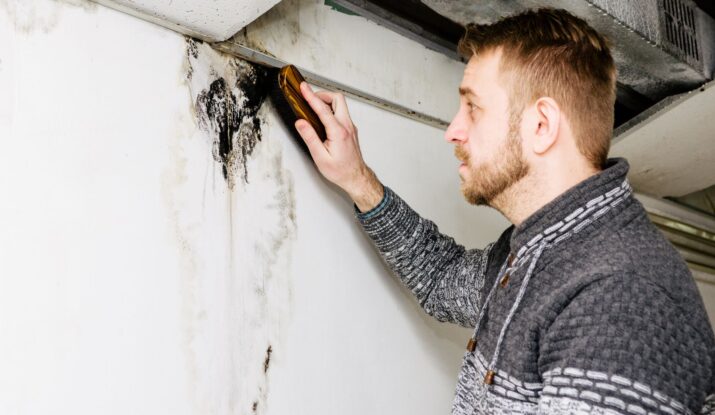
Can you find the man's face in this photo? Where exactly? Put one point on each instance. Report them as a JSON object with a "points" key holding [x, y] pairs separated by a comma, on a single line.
{"points": [[486, 141]]}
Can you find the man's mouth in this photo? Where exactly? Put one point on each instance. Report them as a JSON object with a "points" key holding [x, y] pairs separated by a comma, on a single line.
{"points": [[461, 156]]}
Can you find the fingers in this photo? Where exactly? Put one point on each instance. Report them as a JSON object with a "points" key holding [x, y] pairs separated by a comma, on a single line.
{"points": [[338, 105], [312, 140], [332, 126]]}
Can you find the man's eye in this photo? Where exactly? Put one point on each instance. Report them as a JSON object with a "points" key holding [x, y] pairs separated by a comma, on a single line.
{"points": [[471, 107]]}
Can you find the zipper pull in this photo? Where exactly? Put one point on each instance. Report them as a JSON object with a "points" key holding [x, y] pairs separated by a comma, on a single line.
{"points": [[489, 377], [472, 344], [505, 279]]}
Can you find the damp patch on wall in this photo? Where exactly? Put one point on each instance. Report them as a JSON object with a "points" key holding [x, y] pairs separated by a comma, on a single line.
{"points": [[232, 208], [227, 109], [29, 16], [284, 14]]}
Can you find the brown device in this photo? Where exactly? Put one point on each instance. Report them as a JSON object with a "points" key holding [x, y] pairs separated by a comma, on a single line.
{"points": [[289, 80]]}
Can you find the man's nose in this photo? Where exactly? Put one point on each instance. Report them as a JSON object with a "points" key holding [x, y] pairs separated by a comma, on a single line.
{"points": [[456, 132]]}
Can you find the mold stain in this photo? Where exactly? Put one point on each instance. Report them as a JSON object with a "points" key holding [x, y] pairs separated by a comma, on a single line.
{"points": [[173, 180], [252, 42], [229, 113], [29, 16], [285, 15], [284, 202], [235, 127], [267, 361], [192, 51]]}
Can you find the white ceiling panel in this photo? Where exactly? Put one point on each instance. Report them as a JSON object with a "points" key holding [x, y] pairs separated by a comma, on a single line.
{"points": [[671, 148], [212, 20]]}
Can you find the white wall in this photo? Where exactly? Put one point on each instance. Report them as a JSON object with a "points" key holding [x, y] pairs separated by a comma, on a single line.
{"points": [[134, 280]]}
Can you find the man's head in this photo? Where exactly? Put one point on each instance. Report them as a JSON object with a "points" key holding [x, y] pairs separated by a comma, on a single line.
{"points": [[537, 95]]}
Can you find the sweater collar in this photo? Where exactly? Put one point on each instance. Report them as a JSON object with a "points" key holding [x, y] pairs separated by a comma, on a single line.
{"points": [[579, 201]]}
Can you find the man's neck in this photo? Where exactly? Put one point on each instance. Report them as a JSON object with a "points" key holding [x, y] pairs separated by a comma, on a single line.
{"points": [[535, 191]]}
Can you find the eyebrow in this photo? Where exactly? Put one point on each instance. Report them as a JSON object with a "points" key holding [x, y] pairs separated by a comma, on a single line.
{"points": [[465, 90]]}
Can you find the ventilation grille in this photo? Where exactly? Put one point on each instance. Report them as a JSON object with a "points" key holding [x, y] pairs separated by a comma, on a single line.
{"points": [[681, 28]]}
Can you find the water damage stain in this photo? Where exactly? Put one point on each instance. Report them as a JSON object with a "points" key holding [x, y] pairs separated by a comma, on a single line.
{"points": [[29, 17], [239, 141], [228, 111]]}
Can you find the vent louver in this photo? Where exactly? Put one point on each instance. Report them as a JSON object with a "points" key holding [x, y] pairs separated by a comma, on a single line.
{"points": [[681, 30]]}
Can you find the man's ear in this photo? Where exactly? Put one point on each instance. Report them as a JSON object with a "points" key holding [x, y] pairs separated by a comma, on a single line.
{"points": [[548, 119]]}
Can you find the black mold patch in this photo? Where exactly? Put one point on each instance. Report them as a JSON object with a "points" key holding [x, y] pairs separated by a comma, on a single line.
{"points": [[229, 113], [192, 51], [255, 406], [267, 362], [191, 47]]}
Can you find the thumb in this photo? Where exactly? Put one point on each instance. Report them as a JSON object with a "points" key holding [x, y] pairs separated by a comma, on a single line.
{"points": [[312, 140]]}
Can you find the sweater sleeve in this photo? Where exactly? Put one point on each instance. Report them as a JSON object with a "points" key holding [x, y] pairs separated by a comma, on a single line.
{"points": [[446, 279], [607, 352]]}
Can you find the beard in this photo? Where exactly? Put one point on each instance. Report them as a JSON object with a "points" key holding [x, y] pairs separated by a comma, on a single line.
{"points": [[492, 178]]}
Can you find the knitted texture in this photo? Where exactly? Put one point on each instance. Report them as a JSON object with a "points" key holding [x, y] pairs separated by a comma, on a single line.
{"points": [[609, 319]]}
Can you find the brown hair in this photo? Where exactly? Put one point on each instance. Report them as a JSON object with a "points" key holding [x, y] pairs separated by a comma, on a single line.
{"points": [[550, 52]]}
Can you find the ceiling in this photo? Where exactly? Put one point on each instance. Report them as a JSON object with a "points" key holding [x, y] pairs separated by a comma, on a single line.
{"points": [[672, 147], [211, 20]]}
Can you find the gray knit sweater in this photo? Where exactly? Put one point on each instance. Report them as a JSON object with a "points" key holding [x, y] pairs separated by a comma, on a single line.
{"points": [[583, 308]]}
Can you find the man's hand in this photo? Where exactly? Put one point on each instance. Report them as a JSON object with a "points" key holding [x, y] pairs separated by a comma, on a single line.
{"points": [[339, 158]]}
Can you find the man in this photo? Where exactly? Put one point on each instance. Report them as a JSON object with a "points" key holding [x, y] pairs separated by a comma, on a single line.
{"points": [[581, 305]]}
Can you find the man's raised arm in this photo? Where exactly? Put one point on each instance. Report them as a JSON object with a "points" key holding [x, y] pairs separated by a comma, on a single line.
{"points": [[446, 279]]}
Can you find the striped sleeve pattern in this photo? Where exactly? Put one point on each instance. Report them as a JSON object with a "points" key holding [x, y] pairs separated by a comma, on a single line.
{"points": [[446, 279]]}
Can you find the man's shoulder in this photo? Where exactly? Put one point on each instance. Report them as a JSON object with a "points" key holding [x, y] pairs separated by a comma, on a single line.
{"points": [[632, 246], [633, 305], [627, 262]]}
